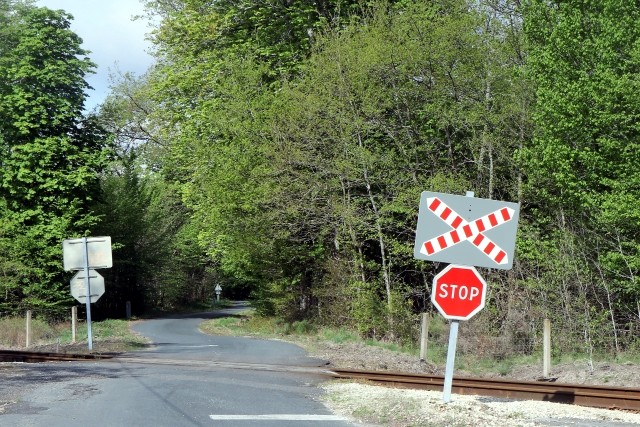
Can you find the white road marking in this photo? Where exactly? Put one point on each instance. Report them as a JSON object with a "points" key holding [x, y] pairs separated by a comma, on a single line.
{"points": [[197, 346], [278, 417]]}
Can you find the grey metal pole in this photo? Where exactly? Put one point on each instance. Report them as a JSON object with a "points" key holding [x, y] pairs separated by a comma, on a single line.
{"points": [[87, 288], [451, 359], [451, 351]]}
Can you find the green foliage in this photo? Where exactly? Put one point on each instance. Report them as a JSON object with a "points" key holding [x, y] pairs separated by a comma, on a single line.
{"points": [[583, 162], [339, 336], [50, 155], [297, 137]]}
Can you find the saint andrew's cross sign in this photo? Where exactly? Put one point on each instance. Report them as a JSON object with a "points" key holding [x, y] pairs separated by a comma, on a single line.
{"points": [[466, 230], [470, 232]]}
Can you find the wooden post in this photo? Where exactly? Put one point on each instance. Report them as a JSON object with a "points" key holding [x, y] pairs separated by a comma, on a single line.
{"points": [[28, 343], [424, 333], [128, 309], [546, 349], [74, 323]]}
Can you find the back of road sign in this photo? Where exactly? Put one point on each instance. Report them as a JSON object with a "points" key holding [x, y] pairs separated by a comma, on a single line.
{"points": [[466, 230], [78, 287], [98, 249]]}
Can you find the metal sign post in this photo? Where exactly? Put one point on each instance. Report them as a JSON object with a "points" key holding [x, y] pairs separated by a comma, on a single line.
{"points": [[87, 288], [451, 349], [451, 360]]}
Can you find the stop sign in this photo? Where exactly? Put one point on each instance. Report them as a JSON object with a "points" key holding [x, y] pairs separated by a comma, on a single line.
{"points": [[459, 292]]}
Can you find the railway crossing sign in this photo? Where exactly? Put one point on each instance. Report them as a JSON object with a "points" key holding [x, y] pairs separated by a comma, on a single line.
{"points": [[459, 292], [466, 230]]}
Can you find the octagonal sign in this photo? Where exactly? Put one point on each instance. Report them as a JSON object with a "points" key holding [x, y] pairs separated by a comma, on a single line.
{"points": [[459, 292], [96, 286]]}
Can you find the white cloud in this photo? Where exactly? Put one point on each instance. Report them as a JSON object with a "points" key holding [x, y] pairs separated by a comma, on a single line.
{"points": [[115, 40]]}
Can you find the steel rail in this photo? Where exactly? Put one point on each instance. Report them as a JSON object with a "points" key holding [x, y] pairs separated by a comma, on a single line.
{"points": [[36, 356], [584, 395]]}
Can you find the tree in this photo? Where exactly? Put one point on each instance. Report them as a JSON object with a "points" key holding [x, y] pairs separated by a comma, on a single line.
{"points": [[419, 96], [50, 154], [583, 164]]}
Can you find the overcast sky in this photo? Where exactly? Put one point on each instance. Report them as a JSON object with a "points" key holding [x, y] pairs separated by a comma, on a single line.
{"points": [[115, 40]]}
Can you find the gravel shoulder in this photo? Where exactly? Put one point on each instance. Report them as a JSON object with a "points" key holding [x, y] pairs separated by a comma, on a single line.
{"points": [[382, 406]]}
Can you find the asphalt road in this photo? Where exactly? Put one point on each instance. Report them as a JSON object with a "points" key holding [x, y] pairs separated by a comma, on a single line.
{"points": [[185, 379]]}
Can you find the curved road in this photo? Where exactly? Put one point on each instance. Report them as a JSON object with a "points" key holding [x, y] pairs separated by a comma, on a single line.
{"points": [[178, 337], [186, 378]]}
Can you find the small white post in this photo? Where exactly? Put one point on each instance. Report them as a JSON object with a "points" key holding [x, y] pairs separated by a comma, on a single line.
{"points": [[424, 333], [74, 323], [546, 349], [28, 339]]}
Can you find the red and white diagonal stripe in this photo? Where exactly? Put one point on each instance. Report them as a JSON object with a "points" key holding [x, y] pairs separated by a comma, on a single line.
{"points": [[467, 231]]}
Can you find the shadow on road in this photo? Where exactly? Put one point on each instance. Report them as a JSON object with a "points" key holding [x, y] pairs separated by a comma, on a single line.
{"points": [[232, 311]]}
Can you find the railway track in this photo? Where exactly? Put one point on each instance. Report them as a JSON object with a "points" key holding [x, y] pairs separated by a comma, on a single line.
{"points": [[584, 395], [35, 357], [622, 398]]}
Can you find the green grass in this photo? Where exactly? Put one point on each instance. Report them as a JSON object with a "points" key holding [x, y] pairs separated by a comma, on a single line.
{"points": [[13, 331], [303, 332], [339, 336], [109, 335]]}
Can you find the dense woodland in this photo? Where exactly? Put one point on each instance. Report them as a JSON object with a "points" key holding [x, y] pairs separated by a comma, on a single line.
{"points": [[279, 149]]}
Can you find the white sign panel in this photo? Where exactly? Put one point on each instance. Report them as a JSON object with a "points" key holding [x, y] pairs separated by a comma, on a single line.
{"points": [[98, 249]]}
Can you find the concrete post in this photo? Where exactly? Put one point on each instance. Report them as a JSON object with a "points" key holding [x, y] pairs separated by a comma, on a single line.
{"points": [[424, 333], [546, 349], [74, 323], [28, 343]]}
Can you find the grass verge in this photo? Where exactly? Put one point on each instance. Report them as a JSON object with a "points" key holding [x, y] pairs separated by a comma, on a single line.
{"points": [[303, 333], [109, 336]]}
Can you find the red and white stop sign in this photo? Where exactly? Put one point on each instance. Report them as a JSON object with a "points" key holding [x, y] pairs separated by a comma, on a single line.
{"points": [[459, 292]]}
